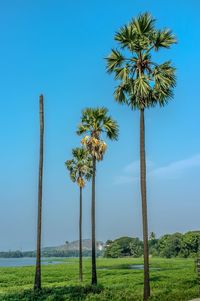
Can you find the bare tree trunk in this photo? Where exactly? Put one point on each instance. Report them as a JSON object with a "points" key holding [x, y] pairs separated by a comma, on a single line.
{"points": [[94, 272], [80, 239], [144, 206], [37, 284]]}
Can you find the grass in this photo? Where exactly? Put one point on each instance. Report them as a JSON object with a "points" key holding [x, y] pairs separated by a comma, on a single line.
{"points": [[173, 280]]}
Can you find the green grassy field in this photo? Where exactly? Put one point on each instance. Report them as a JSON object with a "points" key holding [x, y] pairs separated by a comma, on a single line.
{"points": [[171, 280]]}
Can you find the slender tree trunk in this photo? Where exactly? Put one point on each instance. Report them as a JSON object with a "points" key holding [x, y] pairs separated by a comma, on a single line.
{"points": [[80, 239], [144, 206], [37, 284], [94, 272]]}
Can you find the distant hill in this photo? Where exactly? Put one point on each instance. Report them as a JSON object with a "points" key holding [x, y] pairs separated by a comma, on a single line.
{"points": [[74, 246], [69, 249]]}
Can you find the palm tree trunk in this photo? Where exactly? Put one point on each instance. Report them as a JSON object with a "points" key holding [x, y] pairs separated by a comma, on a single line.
{"points": [[80, 239], [144, 205], [94, 272], [37, 284]]}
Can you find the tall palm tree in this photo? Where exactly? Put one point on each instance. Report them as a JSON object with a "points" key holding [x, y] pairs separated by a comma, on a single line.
{"points": [[95, 122], [142, 84], [80, 169], [37, 283]]}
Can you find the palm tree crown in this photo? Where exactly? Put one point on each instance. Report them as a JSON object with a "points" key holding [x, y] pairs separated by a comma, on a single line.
{"points": [[80, 167], [96, 122], [143, 83]]}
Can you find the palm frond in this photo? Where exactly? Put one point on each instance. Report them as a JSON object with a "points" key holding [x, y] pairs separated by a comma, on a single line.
{"points": [[141, 87], [115, 59], [125, 36], [122, 72], [81, 129], [163, 39], [80, 167], [111, 128], [164, 75], [143, 24], [120, 93]]}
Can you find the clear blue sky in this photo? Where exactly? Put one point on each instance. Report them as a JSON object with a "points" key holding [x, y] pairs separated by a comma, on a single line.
{"points": [[57, 48]]}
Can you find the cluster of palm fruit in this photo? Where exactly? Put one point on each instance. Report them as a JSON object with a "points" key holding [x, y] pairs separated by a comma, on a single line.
{"points": [[96, 147], [80, 182]]}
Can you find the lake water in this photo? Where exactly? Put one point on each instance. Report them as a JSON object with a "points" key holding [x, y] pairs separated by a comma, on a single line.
{"points": [[141, 267], [26, 261], [131, 267]]}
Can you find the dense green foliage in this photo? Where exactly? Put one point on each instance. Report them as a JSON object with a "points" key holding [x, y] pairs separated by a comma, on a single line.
{"points": [[169, 245], [95, 122], [123, 246], [176, 245], [143, 82], [80, 166], [171, 280]]}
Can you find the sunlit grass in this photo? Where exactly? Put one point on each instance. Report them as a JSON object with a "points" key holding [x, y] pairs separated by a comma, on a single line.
{"points": [[174, 280]]}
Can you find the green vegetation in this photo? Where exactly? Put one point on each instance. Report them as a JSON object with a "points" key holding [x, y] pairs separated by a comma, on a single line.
{"points": [[177, 245], [143, 85], [168, 246], [171, 280], [124, 246]]}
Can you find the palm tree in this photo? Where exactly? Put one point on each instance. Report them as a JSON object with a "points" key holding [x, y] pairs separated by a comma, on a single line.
{"points": [[80, 169], [96, 122], [37, 283], [143, 84]]}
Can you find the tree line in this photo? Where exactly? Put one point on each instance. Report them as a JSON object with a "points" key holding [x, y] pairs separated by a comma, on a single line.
{"points": [[142, 83], [185, 245], [167, 246], [49, 253]]}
